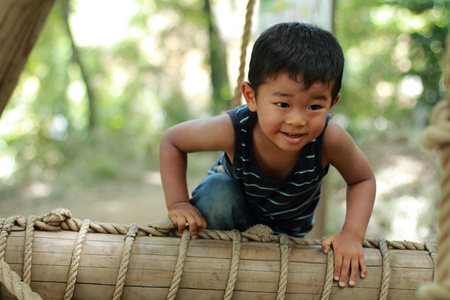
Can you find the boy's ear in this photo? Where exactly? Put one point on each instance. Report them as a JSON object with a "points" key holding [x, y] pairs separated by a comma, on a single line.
{"points": [[249, 95], [333, 103]]}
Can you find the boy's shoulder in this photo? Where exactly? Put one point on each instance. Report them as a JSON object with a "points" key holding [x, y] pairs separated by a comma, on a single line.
{"points": [[241, 115], [336, 141], [334, 132]]}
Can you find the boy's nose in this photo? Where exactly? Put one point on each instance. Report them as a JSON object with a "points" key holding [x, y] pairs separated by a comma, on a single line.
{"points": [[296, 119]]}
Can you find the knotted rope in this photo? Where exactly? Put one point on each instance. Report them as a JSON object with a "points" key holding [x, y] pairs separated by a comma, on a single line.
{"points": [[437, 135], [62, 219]]}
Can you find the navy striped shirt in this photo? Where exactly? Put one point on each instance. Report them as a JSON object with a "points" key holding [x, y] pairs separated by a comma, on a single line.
{"points": [[286, 205]]}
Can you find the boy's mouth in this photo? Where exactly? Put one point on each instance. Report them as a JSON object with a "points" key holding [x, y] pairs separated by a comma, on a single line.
{"points": [[294, 136]]}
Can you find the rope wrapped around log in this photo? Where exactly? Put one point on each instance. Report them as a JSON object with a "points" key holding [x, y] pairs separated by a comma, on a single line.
{"points": [[61, 219]]}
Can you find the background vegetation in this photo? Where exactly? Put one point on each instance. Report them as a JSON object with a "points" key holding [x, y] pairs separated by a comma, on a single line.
{"points": [[89, 113]]}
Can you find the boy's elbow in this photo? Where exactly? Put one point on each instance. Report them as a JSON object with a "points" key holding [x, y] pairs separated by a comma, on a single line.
{"points": [[170, 141], [166, 141]]}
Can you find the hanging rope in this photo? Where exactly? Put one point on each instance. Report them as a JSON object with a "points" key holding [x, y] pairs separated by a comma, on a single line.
{"points": [[437, 135], [14, 285], [236, 101]]}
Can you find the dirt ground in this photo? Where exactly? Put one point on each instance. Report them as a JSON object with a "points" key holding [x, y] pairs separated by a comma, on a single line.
{"points": [[113, 202]]}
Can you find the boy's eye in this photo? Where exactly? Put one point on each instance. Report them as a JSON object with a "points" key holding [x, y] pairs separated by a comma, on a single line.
{"points": [[282, 105], [314, 107]]}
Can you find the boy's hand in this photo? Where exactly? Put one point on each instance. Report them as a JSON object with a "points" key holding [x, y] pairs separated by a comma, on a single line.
{"points": [[184, 213], [348, 255]]}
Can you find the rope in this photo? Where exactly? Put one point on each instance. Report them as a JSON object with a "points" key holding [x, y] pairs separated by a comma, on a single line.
{"points": [[5, 228], [326, 292], [62, 218], [128, 245], [234, 266], [437, 135], [28, 249], [182, 253], [14, 285], [9, 278], [245, 41], [385, 280], [73, 271], [284, 266], [433, 254]]}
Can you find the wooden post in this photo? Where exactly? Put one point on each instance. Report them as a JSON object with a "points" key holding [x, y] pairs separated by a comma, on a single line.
{"points": [[20, 24]]}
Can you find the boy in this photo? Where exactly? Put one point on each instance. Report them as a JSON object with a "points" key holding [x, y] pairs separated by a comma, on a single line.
{"points": [[276, 150]]}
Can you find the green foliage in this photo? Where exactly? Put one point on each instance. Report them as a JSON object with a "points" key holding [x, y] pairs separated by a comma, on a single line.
{"points": [[136, 86], [394, 52]]}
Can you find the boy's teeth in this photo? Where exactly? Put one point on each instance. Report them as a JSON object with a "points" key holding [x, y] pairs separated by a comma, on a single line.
{"points": [[293, 136]]}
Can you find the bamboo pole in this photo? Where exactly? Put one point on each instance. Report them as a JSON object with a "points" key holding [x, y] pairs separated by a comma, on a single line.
{"points": [[206, 268]]}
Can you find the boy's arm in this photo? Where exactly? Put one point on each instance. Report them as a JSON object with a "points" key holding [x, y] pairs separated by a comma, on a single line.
{"points": [[211, 134], [340, 150]]}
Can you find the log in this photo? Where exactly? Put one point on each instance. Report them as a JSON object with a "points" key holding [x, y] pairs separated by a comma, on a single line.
{"points": [[21, 21], [206, 268]]}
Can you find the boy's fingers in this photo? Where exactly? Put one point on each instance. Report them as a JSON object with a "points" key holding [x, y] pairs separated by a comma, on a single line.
{"points": [[193, 226], [202, 223], [353, 272], [180, 223], [344, 273], [362, 265], [337, 267], [326, 244]]}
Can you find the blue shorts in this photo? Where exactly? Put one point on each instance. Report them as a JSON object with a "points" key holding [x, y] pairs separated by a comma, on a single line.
{"points": [[222, 203]]}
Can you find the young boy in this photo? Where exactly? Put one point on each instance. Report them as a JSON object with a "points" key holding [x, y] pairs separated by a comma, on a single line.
{"points": [[276, 150]]}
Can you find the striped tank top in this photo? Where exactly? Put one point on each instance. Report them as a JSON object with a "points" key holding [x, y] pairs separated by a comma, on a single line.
{"points": [[286, 205]]}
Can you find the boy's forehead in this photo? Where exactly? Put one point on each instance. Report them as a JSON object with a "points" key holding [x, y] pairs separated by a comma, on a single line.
{"points": [[300, 82]]}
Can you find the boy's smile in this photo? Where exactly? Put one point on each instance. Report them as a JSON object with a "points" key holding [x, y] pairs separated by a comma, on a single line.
{"points": [[289, 116], [293, 138]]}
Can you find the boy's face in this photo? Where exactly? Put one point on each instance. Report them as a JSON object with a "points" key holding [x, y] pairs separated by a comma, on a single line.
{"points": [[290, 116]]}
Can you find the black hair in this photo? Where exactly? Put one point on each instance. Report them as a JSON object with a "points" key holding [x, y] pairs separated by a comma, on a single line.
{"points": [[297, 48]]}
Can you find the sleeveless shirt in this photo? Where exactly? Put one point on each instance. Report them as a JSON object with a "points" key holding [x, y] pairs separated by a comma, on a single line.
{"points": [[286, 205]]}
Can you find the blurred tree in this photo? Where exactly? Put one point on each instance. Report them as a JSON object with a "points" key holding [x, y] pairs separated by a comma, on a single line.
{"points": [[218, 62], [131, 90], [394, 52], [66, 11]]}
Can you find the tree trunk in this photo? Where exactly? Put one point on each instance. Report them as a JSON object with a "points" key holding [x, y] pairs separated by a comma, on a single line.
{"points": [[76, 58], [218, 63], [21, 21]]}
